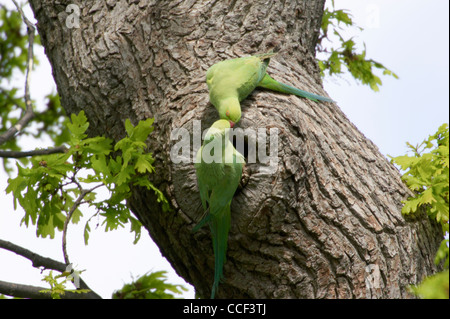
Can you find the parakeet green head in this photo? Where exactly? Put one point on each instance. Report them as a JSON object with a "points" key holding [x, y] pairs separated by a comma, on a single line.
{"points": [[221, 125], [219, 128], [230, 109]]}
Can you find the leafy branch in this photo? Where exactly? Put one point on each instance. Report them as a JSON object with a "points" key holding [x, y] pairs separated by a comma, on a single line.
{"points": [[18, 114], [52, 189], [427, 175], [28, 114], [38, 261], [346, 53], [58, 286], [149, 286]]}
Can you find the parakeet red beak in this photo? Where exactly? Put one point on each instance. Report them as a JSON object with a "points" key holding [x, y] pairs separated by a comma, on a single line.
{"points": [[231, 124]]}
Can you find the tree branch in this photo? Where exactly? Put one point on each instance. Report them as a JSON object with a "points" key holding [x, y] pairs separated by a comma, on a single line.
{"points": [[29, 114], [37, 262], [27, 291], [48, 151]]}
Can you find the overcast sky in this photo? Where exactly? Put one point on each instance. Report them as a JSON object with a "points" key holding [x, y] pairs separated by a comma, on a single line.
{"points": [[410, 37]]}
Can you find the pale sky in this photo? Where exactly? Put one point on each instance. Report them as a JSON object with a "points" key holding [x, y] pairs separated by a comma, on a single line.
{"points": [[410, 37]]}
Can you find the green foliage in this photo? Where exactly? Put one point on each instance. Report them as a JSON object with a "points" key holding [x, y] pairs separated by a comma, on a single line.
{"points": [[13, 56], [346, 53], [149, 286], [13, 59], [427, 175], [57, 184], [13, 43], [58, 285], [428, 288]]}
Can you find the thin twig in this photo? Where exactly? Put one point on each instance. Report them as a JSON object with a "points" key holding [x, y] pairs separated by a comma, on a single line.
{"points": [[75, 205], [48, 151], [29, 114]]}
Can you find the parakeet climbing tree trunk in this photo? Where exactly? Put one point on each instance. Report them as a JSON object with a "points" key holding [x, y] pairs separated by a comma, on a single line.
{"points": [[326, 224]]}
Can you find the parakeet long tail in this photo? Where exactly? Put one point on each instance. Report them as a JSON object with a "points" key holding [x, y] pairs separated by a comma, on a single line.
{"points": [[219, 225], [269, 83]]}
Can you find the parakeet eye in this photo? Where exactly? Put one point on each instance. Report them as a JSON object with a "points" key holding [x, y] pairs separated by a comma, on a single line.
{"points": [[227, 113]]}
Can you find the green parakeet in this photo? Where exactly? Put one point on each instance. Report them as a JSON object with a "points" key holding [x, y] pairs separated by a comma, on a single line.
{"points": [[219, 169], [231, 81]]}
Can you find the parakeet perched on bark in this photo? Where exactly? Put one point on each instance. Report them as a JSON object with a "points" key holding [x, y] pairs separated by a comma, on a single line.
{"points": [[219, 170], [231, 81]]}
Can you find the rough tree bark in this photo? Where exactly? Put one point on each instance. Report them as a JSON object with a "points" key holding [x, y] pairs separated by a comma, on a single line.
{"points": [[326, 225]]}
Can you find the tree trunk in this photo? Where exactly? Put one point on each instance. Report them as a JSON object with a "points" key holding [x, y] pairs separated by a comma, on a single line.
{"points": [[327, 224]]}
